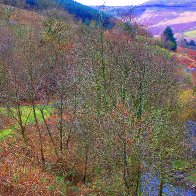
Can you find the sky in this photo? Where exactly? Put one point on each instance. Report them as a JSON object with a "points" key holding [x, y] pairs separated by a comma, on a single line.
{"points": [[111, 2]]}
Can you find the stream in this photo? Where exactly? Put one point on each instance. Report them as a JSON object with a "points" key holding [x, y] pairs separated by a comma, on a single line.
{"points": [[150, 187], [150, 183]]}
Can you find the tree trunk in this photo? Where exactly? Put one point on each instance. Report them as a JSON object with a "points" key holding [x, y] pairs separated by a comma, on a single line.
{"points": [[39, 132], [138, 182], [61, 127], [126, 170], [161, 181], [49, 132], [85, 166], [161, 187]]}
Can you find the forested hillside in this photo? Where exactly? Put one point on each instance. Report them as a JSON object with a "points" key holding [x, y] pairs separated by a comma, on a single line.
{"points": [[86, 110], [81, 12]]}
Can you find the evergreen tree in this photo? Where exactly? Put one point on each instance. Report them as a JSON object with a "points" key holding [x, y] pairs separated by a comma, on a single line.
{"points": [[168, 39]]}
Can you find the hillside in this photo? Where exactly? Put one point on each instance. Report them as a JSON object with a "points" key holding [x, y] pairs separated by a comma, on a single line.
{"points": [[86, 110], [158, 14], [187, 58], [81, 12], [180, 15], [171, 2]]}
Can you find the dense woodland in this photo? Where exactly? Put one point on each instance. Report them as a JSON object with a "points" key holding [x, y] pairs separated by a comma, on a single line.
{"points": [[79, 11], [88, 109]]}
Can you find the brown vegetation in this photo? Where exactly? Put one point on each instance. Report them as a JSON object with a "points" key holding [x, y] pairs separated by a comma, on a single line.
{"points": [[115, 108]]}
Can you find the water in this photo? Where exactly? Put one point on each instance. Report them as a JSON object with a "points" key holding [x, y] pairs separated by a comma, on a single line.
{"points": [[191, 126], [150, 187], [150, 183]]}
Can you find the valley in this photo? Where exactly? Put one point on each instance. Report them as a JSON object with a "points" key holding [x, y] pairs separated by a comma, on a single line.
{"points": [[157, 15], [90, 107]]}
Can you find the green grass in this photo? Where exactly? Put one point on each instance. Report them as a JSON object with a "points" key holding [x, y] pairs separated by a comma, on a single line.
{"points": [[191, 33], [27, 117], [5, 134], [27, 113], [192, 177], [2, 111], [161, 51], [181, 165]]}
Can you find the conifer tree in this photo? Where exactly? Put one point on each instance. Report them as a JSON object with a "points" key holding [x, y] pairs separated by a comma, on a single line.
{"points": [[168, 39]]}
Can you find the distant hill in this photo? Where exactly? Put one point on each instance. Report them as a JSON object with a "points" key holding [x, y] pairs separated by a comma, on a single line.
{"points": [[85, 13], [80, 11], [158, 14], [170, 2]]}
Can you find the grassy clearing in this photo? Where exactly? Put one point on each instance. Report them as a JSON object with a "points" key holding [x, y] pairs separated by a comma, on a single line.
{"points": [[27, 113], [192, 177], [27, 117], [181, 165], [191, 34], [5, 134]]}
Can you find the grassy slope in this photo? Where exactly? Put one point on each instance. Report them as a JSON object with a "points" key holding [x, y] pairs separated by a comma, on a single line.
{"points": [[27, 118], [191, 33]]}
